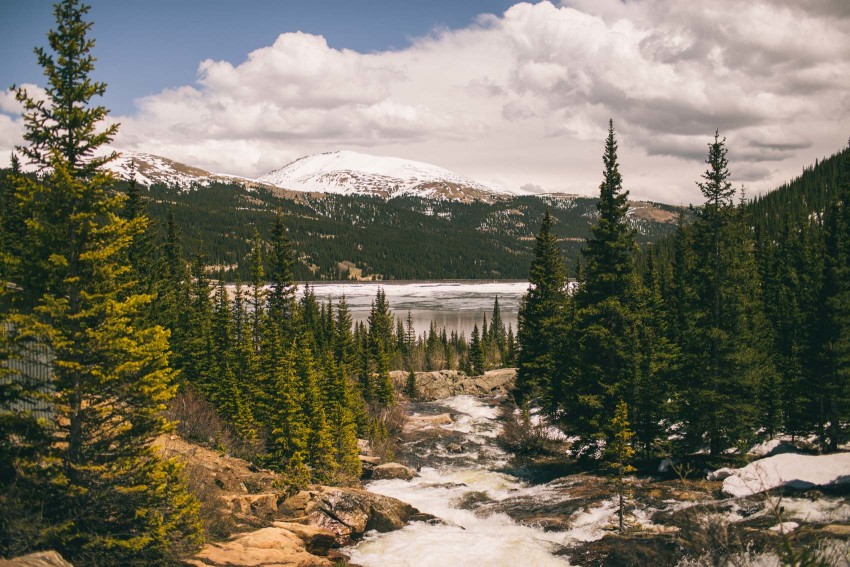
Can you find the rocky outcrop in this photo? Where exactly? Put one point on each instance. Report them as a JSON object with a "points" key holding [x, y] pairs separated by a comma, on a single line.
{"points": [[41, 559], [447, 383], [282, 530], [350, 512], [389, 471], [275, 546]]}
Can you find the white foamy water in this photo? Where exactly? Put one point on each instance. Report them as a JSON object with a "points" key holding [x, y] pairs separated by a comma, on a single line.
{"points": [[466, 538]]}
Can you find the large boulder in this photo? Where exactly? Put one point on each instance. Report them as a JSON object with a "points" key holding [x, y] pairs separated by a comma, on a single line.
{"points": [[316, 540], [389, 471], [40, 559], [367, 465], [263, 506], [350, 512], [274, 546]]}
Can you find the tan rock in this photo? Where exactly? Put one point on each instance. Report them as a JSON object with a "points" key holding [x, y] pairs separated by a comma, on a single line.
{"points": [[416, 422], [351, 512], [317, 540], [269, 547], [297, 504], [446, 383], [392, 471], [839, 530], [260, 505], [41, 559]]}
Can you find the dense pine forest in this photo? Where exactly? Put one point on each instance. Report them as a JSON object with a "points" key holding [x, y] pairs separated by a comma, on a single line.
{"points": [[449, 239], [734, 329]]}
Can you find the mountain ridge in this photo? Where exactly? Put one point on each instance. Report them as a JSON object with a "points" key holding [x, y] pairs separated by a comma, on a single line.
{"points": [[354, 173], [342, 172]]}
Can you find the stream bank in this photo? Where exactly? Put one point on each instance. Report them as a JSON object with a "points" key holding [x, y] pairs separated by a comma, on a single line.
{"points": [[496, 510]]}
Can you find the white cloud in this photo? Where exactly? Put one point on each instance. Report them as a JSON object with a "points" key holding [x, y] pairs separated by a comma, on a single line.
{"points": [[524, 98]]}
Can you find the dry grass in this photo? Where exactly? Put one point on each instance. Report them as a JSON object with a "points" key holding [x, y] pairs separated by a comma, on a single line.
{"points": [[197, 421], [520, 436]]}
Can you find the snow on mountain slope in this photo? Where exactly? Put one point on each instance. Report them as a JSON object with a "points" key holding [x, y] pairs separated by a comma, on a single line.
{"points": [[348, 172], [148, 169]]}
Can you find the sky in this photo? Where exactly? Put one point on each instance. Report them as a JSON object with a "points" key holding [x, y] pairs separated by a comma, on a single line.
{"points": [[518, 94]]}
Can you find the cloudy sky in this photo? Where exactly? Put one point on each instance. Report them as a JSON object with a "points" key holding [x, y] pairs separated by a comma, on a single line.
{"points": [[518, 94]]}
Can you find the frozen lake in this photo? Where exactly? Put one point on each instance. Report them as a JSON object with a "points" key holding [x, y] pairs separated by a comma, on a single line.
{"points": [[456, 306]]}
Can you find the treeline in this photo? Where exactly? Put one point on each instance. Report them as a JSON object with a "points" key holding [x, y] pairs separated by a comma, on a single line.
{"points": [[735, 328], [491, 346]]}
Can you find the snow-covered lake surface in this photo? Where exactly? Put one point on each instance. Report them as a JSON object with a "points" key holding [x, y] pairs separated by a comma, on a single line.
{"points": [[455, 306]]}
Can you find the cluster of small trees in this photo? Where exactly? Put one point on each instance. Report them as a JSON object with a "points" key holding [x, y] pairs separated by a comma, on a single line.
{"points": [[711, 339], [493, 346], [277, 370]]}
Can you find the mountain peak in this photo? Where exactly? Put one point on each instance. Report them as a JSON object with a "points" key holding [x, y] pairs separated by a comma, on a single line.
{"points": [[350, 172]]}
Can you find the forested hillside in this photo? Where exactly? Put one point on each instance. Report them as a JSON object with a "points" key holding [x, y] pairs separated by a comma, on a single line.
{"points": [[450, 240]]}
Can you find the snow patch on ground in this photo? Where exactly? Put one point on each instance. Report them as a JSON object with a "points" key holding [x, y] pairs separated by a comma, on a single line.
{"points": [[785, 527], [775, 446], [797, 471], [821, 511]]}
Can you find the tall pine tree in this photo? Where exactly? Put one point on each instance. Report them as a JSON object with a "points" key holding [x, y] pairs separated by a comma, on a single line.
{"points": [[726, 347], [601, 357], [541, 317], [107, 498]]}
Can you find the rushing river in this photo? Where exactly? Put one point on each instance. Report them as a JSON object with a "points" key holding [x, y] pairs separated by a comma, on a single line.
{"points": [[447, 480]]}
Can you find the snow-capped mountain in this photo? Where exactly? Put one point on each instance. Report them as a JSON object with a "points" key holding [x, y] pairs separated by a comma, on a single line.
{"points": [[148, 169], [348, 172], [343, 172]]}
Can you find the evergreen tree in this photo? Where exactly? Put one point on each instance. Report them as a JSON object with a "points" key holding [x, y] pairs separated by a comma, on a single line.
{"points": [[410, 388], [289, 433], [619, 453], [172, 292], [832, 334], [195, 327], [107, 498], [344, 347], [476, 352], [281, 299], [609, 255], [601, 358], [380, 344], [510, 356], [541, 317], [319, 452], [142, 253], [727, 344], [658, 363], [341, 417], [498, 334], [257, 297]]}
